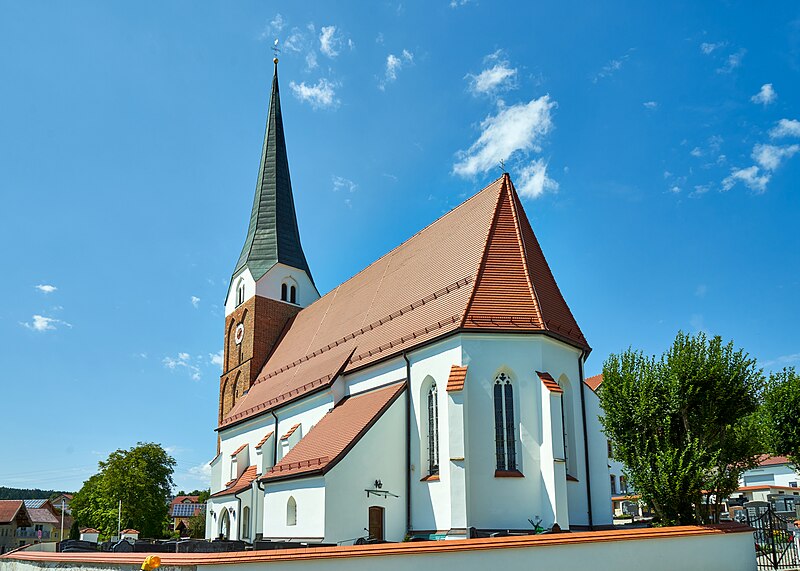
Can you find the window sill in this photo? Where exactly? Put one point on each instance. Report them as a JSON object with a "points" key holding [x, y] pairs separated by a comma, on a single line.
{"points": [[572, 478], [430, 478], [508, 474]]}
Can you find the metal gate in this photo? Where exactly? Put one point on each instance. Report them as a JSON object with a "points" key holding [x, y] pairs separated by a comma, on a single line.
{"points": [[776, 536]]}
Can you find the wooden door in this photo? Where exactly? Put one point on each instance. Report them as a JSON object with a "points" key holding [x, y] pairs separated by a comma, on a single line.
{"points": [[376, 523]]}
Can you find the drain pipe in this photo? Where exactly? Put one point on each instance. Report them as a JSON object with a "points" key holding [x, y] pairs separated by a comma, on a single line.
{"points": [[585, 437], [274, 439], [408, 442]]}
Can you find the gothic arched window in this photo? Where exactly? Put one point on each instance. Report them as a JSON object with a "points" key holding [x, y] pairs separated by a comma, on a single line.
{"points": [[504, 426], [284, 296], [433, 431], [291, 511], [293, 294], [246, 522], [240, 293]]}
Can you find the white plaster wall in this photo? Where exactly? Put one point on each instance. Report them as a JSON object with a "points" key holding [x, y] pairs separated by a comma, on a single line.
{"points": [[778, 475], [249, 290], [598, 459], [430, 501], [214, 520], [380, 374], [307, 412], [379, 455], [270, 286], [309, 493]]}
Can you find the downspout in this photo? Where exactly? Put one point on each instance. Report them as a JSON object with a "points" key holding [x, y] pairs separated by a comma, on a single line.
{"points": [[275, 439], [238, 518], [585, 437], [408, 442]]}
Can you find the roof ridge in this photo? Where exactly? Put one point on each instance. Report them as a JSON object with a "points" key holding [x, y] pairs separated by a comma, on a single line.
{"points": [[518, 229]]}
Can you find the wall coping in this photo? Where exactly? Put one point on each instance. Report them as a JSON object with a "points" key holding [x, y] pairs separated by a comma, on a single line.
{"points": [[408, 548]]}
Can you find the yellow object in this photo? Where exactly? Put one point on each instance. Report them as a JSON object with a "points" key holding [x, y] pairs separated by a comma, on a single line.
{"points": [[151, 562]]}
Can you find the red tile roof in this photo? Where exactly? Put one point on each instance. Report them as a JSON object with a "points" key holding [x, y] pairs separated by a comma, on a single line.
{"points": [[236, 453], [479, 267], [549, 382], [130, 531], [290, 431], [333, 436], [89, 530], [594, 382], [240, 484], [774, 461], [264, 440], [9, 510], [185, 499], [766, 487], [455, 381]]}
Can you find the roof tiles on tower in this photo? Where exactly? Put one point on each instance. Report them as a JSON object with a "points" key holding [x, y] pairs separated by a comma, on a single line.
{"points": [[239, 484], [548, 381], [479, 267], [335, 434]]}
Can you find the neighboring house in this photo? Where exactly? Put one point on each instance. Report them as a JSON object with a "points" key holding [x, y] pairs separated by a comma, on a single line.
{"points": [[182, 508], [13, 516], [438, 393], [90, 534], [772, 471], [45, 523], [62, 500], [775, 480]]}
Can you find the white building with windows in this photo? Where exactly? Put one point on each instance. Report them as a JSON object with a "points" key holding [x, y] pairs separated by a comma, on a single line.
{"points": [[438, 393]]}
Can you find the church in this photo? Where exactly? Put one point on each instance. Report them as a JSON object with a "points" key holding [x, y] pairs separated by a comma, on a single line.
{"points": [[437, 394]]}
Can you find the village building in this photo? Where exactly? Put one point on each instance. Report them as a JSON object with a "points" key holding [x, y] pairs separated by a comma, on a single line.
{"points": [[182, 509], [13, 517], [439, 393]]}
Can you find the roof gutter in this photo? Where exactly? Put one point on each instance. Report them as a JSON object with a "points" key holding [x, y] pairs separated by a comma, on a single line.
{"points": [[581, 358], [408, 442]]}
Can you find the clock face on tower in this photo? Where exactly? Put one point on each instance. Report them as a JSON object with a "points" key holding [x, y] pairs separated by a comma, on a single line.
{"points": [[239, 334]]}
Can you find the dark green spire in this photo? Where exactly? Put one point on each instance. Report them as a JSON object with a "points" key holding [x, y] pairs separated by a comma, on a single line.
{"points": [[273, 235]]}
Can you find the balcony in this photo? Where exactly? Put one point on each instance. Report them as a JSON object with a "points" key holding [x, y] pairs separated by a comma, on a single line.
{"points": [[28, 533]]}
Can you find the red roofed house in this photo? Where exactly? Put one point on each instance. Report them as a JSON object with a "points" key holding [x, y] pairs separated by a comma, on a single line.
{"points": [[181, 509], [13, 516], [437, 390]]}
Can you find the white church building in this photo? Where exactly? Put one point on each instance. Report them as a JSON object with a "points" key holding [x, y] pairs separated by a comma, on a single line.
{"points": [[439, 393]]}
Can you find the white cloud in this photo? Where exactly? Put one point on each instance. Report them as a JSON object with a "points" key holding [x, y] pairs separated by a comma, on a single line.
{"points": [[769, 157], [183, 361], [458, 3], [765, 96], [311, 60], [533, 180], [708, 48], [650, 104], [379, 38], [216, 358], [42, 323], [393, 65], [277, 23], [200, 473], [612, 67], [733, 61], [696, 152], [320, 96], [499, 77], [296, 42], [675, 189], [340, 183], [329, 42], [783, 360], [750, 177], [785, 128], [515, 129], [46, 288]]}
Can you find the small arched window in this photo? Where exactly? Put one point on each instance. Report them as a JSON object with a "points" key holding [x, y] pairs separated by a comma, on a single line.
{"points": [[291, 511], [433, 431], [284, 296], [504, 424], [246, 522], [293, 294], [240, 293]]}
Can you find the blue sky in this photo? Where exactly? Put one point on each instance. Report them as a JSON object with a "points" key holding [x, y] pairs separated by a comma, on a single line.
{"points": [[657, 148]]}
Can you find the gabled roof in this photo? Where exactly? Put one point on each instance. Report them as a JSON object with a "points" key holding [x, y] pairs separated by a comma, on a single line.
{"points": [[14, 510], [290, 431], [236, 452], [594, 382], [273, 236], [264, 440], [455, 382], [37, 503], [478, 268], [130, 531], [89, 530], [185, 499], [774, 461], [240, 484], [42, 515], [335, 435]]}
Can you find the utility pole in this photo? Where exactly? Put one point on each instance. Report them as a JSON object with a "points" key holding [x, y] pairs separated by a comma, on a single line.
{"points": [[119, 519], [61, 536]]}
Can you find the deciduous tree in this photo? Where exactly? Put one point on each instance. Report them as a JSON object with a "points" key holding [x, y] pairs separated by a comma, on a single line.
{"points": [[782, 414], [683, 424]]}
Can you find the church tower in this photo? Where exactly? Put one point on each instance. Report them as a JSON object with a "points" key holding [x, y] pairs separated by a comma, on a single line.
{"points": [[271, 282]]}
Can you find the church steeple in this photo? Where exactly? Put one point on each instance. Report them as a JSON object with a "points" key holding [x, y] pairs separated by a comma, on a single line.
{"points": [[272, 236]]}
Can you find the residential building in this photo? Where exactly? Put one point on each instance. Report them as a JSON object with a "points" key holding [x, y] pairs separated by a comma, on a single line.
{"points": [[182, 508], [13, 516], [438, 393], [45, 523]]}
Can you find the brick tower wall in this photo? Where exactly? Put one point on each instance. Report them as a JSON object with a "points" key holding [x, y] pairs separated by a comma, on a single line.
{"points": [[264, 320]]}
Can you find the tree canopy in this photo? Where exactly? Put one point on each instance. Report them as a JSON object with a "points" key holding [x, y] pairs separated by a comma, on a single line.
{"points": [[782, 414], [141, 478], [685, 425]]}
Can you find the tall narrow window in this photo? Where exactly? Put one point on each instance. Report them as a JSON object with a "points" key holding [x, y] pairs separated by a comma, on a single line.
{"points": [[240, 293], [504, 424], [613, 484], [623, 484], [433, 431], [291, 511], [284, 296], [293, 294], [246, 522]]}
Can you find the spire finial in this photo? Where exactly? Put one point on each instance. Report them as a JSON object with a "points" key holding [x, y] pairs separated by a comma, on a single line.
{"points": [[276, 51]]}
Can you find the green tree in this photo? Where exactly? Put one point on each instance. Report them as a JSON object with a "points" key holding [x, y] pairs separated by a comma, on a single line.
{"points": [[141, 478], [782, 414], [684, 424], [74, 530], [197, 525]]}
